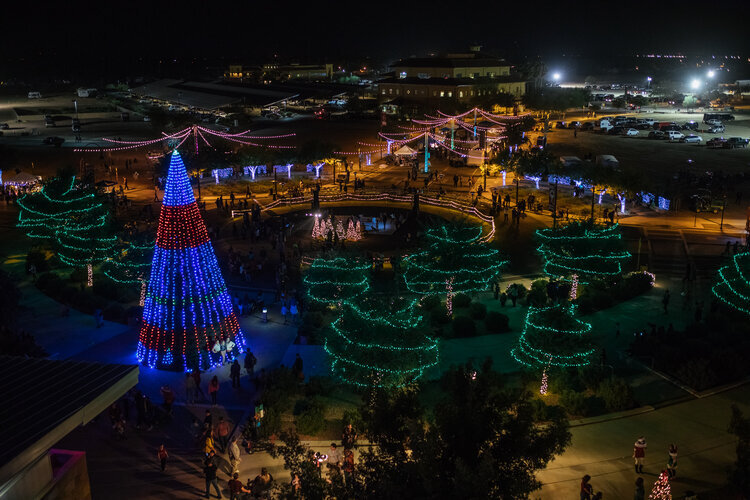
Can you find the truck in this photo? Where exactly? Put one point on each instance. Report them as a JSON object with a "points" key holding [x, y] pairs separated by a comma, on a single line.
{"points": [[605, 125]]}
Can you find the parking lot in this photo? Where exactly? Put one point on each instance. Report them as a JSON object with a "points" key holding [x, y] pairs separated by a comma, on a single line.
{"points": [[659, 157]]}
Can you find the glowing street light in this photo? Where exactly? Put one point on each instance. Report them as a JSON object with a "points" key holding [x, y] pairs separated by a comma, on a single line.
{"points": [[556, 77], [648, 79], [695, 84], [711, 73]]}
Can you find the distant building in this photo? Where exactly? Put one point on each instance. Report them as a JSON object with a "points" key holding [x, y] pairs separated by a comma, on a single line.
{"points": [[455, 77], [280, 72]]}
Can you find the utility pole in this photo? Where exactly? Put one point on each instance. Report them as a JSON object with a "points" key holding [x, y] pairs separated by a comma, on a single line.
{"points": [[723, 207]]}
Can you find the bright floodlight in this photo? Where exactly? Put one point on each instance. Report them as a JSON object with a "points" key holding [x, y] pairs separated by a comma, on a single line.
{"points": [[711, 73], [648, 78], [556, 76], [695, 84]]}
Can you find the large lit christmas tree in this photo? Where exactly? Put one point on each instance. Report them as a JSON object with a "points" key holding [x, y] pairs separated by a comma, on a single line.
{"points": [[379, 343], [72, 220], [552, 336], [332, 280], [582, 251], [453, 261], [187, 307], [733, 283]]}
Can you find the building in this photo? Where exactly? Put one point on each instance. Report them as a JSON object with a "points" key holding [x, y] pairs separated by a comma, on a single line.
{"points": [[280, 72], [455, 78], [57, 397]]}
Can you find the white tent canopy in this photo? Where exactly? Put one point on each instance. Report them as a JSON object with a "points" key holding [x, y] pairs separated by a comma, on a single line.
{"points": [[476, 156], [405, 151]]}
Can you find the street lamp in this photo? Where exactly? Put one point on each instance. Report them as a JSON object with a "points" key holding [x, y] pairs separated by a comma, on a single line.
{"points": [[711, 73], [695, 84], [556, 76], [648, 80]]}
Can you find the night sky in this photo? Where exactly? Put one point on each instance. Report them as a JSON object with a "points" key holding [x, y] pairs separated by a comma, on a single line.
{"points": [[126, 32]]}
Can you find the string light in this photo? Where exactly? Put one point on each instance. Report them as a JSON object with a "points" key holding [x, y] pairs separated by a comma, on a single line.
{"points": [[543, 388], [187, 307], [732, 286], [662, 490], [455, 255], [380, 344], [332, 280], [580, 249], [566, 344]]}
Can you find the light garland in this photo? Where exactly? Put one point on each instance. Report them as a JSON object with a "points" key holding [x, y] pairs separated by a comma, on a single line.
{"points": [[332, 280], [380, 345], [455, 260], [732, 286], [542, 345], [544, 387], [187, 307], [580, 249]]}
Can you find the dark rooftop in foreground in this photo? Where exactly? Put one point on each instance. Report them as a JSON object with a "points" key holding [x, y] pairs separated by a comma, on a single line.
{"points": [[43, 400]]}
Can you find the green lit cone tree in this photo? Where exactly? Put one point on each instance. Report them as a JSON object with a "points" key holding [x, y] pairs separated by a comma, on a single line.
{"points": [[380, 343], [581, 252], [131, 263], [74, 221], [331, 280], [553, 336], [732, 286], [454, 260]]}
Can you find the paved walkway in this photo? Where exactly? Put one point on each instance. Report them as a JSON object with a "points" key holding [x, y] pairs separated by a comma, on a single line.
{"points": [[604, 450]]}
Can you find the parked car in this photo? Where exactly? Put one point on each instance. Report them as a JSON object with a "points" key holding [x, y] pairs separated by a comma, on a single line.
{"points": [[674, 135], [575, 124], [146, 119], [560, 125], [4, 126], [53, 141], [643, 126], [714, 122], [657, 134], [716, 142], [631, 132], [717, 129], [736, 142], [691, 125], [617, 130], [587, 126], [692, 138]]}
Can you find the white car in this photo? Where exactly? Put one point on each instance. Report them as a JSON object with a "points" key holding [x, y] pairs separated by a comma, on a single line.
{"points": [[146, 119], [674, 135], [631, 132], [692, 138]]}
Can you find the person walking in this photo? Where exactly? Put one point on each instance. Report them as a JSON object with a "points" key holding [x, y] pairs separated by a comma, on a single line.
{"points": [[222, 433], [236, 489], [167, 395], [250, 361], [586, 489], [191, 394], [234, 455], [640, 491], [665, 300], [209, 469], [213, 389], [639, 453], [223, 351], [297, 368], [349, 437], [162, 455], [672, 461], [234, 373], [196, 373]]}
